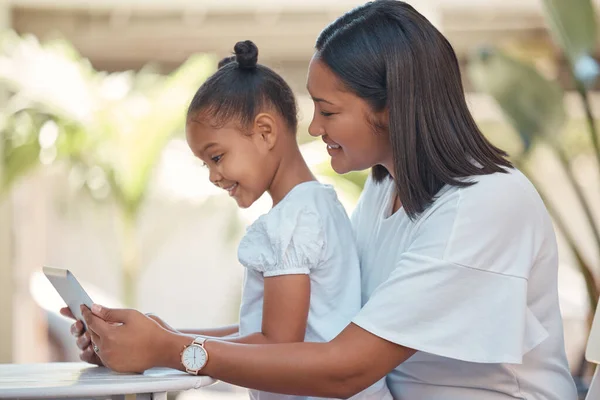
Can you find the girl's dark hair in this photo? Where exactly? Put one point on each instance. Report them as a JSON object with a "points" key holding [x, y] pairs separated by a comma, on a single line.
{"points": [[391, 56], [241, 88]]}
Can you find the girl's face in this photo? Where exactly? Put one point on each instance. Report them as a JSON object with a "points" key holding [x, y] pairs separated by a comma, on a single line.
{"points": [[237, 162], [342, 119]]}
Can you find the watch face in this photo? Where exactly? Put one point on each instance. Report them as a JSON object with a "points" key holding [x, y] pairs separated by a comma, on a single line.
{"points": [[194, 357]]}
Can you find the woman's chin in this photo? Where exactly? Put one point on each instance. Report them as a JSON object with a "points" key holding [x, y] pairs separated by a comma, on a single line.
{"points": [[341, 166]]}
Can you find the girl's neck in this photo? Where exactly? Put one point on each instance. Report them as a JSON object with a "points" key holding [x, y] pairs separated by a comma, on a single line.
{"points": [[291, 171]]}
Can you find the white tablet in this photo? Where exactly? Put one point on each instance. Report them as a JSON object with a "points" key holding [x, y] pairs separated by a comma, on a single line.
{"points": [[69, 289], [592, 351]]}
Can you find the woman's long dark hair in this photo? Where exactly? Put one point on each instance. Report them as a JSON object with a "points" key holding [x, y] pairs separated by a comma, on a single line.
{"points": [[391, 56]]}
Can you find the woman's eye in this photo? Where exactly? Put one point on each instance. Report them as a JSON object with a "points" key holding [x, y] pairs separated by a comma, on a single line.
{"points": [[216, 159], [326, 114]]}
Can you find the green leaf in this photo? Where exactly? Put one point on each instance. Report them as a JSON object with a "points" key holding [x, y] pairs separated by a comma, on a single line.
{"points": [[18, 162], [138, 127], [351, 183], [572, 25], [532, 103]]}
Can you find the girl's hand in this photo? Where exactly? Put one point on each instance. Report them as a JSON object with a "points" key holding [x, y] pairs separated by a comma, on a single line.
{"points": [[161, 322], [126, 340], [83, 340]]}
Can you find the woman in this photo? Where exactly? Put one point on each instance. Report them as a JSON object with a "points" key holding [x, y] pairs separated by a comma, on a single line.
{"points": [[458, 254]]}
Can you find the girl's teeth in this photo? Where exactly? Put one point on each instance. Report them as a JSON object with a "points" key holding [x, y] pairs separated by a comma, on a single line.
{"points": [[333, 146]]}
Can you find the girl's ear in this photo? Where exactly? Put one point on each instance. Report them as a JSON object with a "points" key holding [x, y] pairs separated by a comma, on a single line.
{"points": [[265, 129]]}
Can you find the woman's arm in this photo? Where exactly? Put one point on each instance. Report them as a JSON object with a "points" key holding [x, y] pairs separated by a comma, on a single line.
{"points": [[351, 362], [341, 368]]}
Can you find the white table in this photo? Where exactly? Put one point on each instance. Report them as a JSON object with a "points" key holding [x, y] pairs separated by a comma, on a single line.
{"points": [[81, 380]]}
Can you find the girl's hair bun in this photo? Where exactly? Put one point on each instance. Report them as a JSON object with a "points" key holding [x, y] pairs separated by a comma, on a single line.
{"points": [[246, 54], [225, 61]]}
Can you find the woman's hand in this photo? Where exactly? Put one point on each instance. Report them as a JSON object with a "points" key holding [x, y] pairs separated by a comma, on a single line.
{"points": [[126, 340], [83, 340]]}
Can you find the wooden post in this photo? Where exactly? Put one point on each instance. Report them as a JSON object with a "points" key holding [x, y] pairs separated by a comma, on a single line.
{"points": [[30, 227], [6, 270]]}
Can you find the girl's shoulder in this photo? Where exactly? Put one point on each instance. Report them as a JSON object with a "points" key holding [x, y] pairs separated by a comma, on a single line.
{"points": [[291, 235], [308, 198]]}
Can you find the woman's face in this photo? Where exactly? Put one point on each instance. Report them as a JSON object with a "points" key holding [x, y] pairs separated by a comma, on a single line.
{"points": [[343, 120]]}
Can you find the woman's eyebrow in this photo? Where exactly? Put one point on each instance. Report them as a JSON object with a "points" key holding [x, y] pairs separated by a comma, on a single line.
{"points": [[318, 99]]}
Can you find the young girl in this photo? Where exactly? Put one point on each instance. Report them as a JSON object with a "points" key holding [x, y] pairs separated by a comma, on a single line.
{"points": [[302, 275], [457, 251]]}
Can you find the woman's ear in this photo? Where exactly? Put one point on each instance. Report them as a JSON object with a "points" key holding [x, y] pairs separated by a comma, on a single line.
{"points": [[265, 129], [381, 120]]}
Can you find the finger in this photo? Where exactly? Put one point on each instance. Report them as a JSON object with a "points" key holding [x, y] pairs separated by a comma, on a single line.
{"points": [[83, 341], [95, 339], [95, 324], [77, 329], [89, 356], [66, 312], [118, 315]]}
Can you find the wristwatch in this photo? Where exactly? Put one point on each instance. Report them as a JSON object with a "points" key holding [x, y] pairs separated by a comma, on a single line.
{"points": [[194, 356]]}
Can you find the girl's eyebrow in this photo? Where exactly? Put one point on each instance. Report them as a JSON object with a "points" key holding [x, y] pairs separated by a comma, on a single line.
{"points": [[208, 146]]}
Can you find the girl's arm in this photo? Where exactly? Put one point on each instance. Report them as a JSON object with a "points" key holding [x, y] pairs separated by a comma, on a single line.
{"points": [[285, 311], [224, 331], [220, 332]]}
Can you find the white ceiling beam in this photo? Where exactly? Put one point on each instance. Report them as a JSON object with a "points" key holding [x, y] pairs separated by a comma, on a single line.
{"points": [[162, 5]]}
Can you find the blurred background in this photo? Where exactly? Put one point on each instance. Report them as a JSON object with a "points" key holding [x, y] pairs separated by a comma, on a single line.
{"points": [[95, 175]]}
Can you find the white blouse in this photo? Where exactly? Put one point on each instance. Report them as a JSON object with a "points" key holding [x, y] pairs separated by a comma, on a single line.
{"points": [[307, 232], [472, 285]]}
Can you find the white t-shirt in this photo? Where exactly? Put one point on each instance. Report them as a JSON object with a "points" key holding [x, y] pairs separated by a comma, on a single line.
{"points": [[472, 285], [308, 232]]}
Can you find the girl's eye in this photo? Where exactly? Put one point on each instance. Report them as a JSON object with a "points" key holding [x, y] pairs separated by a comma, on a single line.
{"points": [[216, 159], [326, 114]]}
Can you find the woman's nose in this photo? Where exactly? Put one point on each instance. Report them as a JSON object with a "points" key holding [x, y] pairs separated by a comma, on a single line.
{"points": [[314, 129]]}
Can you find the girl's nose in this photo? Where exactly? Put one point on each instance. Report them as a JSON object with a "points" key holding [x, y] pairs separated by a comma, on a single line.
{"points": [[215, 176]]}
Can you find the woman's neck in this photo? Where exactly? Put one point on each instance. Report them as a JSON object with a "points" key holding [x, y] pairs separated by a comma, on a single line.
{"points": [[389, 165], [291, 171]]}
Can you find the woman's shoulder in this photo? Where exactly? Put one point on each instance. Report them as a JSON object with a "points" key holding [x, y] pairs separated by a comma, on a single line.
{"points": [[486, 225], [501, 194], [505, 195]]}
